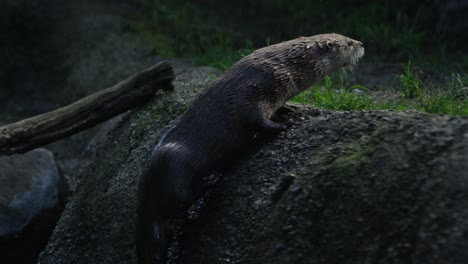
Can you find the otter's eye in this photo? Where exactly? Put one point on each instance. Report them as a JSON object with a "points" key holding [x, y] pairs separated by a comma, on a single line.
{"points": [[350, 43]]}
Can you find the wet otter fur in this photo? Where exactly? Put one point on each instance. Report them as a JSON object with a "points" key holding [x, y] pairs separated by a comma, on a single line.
{"points": [[222, 121]]}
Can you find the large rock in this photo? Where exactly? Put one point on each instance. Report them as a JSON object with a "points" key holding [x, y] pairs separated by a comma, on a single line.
{"points": [[31, 200], [338, 187]]}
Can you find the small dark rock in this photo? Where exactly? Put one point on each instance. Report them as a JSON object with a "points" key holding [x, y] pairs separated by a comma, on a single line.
{"points": [[32, 193]]}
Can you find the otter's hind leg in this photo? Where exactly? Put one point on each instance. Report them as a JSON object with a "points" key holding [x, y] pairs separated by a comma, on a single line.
{"points": [[186, 180], [260, 123]]}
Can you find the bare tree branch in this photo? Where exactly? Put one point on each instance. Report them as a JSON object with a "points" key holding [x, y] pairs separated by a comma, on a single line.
{"points": [[87, 112]]}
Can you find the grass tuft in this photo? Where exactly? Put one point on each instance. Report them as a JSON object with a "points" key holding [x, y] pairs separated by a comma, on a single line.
{"points": [[444, 105], [326, 95], [411, 82]]}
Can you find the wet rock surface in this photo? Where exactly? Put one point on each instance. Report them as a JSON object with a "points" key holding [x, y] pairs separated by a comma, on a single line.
{"points": [[350, 187], [337, 187], [32, 196]]}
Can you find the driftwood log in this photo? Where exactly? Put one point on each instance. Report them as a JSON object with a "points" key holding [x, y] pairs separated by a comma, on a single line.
{"points": [[87, 112]]}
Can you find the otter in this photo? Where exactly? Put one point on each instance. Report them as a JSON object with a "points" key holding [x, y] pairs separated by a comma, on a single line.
{"points": [[222, 121]]}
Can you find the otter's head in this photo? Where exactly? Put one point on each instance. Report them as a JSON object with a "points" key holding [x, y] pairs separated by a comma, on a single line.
{"points": [[336, 51]]}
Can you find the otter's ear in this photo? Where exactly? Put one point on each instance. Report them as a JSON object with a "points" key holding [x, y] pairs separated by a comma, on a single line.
{"points": [[323, 45]]}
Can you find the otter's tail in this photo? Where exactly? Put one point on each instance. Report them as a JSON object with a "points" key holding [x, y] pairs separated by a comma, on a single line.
{"points": [[154, 232]]}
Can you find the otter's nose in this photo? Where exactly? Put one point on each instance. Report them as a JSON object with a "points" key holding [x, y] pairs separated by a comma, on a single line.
{"points": [[360, 44]]}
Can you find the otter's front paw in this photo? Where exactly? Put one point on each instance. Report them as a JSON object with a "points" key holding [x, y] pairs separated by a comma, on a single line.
{"points": [[287, 108], [274, 127]]}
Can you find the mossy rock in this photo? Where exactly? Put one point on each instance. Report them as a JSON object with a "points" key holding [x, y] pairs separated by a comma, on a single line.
{"points": [[337, 187]]}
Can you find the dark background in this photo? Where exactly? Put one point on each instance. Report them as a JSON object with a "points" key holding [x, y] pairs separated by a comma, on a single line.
{"points": [[39, 39]]}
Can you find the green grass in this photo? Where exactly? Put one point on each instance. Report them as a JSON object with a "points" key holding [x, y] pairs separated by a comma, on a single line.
{"points": [[411, 82], [334, 94], [457, 86], [444, 105], [213, 31], [326, 95], [216, 33]]}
